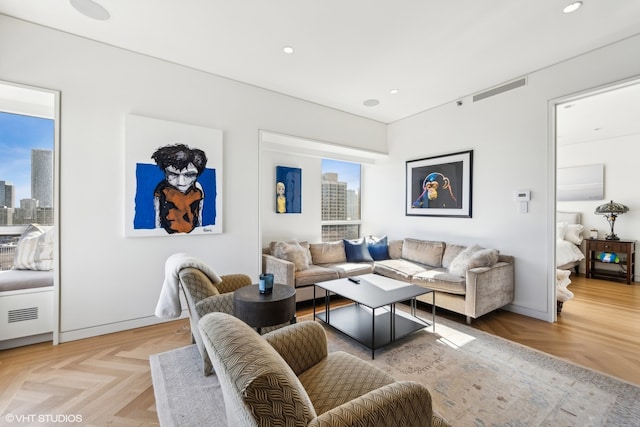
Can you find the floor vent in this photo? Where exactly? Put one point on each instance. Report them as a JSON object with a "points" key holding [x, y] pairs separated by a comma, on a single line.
{"points": [[500, 89], [23, 314]]}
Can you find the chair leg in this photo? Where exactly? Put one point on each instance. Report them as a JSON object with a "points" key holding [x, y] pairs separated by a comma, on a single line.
{"points": [[468, 320]]}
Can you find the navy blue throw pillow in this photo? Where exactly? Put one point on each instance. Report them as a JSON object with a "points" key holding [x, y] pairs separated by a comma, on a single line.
{"points": [[357, 251], [378, 248]]}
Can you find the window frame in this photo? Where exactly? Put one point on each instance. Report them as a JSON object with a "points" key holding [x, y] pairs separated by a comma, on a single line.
{"points": [[347, 222]]}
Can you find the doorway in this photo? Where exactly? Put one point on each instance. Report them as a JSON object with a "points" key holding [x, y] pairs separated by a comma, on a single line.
{"points": [[598, 133], [29, 214]]}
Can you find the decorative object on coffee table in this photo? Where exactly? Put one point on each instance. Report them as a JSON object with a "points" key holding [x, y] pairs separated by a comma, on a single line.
{"points": [[611, 211]]}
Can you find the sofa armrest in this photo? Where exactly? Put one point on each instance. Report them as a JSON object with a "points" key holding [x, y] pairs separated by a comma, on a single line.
{"points": [[216, 303], [404, 403], [284, 272], [302, 345], [489, 288]]}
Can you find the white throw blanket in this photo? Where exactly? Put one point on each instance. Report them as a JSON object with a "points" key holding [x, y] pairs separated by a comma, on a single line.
{"points": [[562, 281], [168, 306]]}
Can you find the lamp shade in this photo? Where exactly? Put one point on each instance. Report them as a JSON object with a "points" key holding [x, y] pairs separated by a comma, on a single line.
{"points": [[611, 208]]}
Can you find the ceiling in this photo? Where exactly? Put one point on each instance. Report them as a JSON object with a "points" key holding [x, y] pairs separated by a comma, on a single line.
{"points": [[603, 116], [346, 52]]}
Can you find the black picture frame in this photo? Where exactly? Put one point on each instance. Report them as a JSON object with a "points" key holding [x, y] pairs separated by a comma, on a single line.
{"points": [[440, 186]]}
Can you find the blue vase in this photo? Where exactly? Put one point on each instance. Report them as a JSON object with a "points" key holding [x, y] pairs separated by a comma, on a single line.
{"points": [[265, 285]]}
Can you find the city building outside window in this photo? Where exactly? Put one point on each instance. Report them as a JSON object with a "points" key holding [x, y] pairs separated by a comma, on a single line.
{"points": [[26, 178], [340, 200]]}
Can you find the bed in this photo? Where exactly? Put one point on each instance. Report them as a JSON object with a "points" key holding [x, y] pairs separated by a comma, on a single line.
{"points": [[569, 238]]}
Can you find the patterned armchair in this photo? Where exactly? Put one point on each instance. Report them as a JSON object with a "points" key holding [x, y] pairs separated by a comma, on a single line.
{"points": [[203, 297], [287, 377]]}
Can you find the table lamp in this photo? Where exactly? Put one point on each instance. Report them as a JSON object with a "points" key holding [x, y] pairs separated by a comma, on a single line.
{"points": [[611, 211]]}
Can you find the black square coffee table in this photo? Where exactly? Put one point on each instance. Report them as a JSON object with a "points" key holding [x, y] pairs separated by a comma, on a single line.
{"points": [[360, 320]]}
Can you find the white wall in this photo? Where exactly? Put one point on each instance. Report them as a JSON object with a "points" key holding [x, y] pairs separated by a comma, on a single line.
{"points": [[303, 226], [510, 136], [109, 282]]}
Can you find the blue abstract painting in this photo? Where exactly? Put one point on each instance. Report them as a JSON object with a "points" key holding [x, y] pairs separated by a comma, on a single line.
{"points": [[288, 190]]}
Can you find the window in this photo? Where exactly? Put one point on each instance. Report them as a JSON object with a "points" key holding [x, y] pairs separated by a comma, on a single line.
{"points": [[340, 200], [26, 178]]}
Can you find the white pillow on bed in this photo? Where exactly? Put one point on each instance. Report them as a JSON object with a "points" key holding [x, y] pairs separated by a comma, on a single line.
{"points": [[573, 233], [561, 230]]}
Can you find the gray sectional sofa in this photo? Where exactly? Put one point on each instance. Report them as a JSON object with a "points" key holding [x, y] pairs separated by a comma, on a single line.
{"points": [[471, 280]]}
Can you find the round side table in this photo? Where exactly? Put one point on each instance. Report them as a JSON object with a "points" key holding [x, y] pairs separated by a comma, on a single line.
{"points": [[261, 310]]}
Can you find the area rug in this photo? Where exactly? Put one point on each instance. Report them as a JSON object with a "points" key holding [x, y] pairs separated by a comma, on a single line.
{"points": [[475, 379], [184, 396]]}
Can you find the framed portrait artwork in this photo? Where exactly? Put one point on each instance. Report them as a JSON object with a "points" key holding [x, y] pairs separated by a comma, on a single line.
{"points": [[173, 178], [440, 185], [288, 190]]}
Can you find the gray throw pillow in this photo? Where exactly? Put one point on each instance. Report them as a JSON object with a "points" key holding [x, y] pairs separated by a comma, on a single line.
{"points": [[292, 252], [473, 257]]}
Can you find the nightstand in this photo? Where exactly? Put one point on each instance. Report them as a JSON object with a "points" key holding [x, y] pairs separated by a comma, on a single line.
{"points": [[626, 251]]}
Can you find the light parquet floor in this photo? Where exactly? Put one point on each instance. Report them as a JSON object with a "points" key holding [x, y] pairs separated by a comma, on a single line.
{"points": [[599, 328], [106, 380]]}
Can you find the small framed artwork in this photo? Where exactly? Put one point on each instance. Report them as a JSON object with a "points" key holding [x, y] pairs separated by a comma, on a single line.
{"points": [[440, 185], [288, 190]]}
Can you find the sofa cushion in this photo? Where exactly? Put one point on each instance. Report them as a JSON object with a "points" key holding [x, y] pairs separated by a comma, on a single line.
{"points": [[357, 250], [378, 248], [339, 379], [315, 274], [450, 252], [398, 269], [347, 269], [328, 252], [439, 279], [292, 252], [423, 251], [395, 249], [472, 257]]}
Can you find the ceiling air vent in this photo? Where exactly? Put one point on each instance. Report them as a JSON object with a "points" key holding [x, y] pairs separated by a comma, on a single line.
{"points": [[23, 314], [500, 89]]}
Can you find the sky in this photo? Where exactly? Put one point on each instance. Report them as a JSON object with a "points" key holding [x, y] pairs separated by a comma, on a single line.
{"points": [[18, 135], [347, 172]]}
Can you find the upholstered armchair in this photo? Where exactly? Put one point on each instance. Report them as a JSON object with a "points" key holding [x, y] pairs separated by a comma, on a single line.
{"points": [[203, 297], [287, 377]]}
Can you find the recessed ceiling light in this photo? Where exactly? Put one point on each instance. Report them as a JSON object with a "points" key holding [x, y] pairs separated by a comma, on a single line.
{"points": [[393, 91], [90, 9], [287, 49], [371, 102], [572, 7], [568, 106]]}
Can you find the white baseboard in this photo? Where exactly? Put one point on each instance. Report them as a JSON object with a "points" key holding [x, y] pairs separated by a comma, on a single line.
{"points": [[22, 341], [536, 314], [78, 334]]}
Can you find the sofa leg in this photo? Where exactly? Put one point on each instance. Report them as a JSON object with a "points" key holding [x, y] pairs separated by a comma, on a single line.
{"points": [[468, 320]]}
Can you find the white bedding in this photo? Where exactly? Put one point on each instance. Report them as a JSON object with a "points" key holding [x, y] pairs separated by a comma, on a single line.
{"points": [[567, 252]]}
